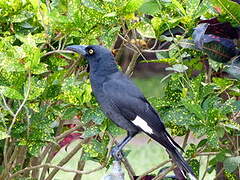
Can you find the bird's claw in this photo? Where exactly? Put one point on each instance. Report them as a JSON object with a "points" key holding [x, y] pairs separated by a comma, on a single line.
{"points": [[117, 153]]}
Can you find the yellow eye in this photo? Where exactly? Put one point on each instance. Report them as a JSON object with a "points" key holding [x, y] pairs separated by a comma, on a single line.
{"points": [[90, 51]]}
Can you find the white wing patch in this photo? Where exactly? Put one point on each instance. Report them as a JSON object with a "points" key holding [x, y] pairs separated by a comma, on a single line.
{"points": [[172, 142], [142, 124]]}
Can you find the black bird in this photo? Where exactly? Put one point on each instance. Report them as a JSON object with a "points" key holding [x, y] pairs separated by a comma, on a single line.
{"points": [[125, 105]]}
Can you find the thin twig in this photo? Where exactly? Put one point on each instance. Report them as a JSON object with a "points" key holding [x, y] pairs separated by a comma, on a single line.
{"points": [[22, 104], [68, 157], [6, 105], [207, 153], [57, 51], [154, 45], [163, 174], [158, 50], [133, 45], [55, 167], [185, 139], [132, 64], [153, 169], [68, 132], [44, 153], [13, 157], [81, 164], [230, 139], [129, 168], [219, 174], [128, 47], [51, 148]]}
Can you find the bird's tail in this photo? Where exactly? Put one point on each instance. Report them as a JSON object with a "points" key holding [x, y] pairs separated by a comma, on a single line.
{"points": [[172, 147], [182, 164]]}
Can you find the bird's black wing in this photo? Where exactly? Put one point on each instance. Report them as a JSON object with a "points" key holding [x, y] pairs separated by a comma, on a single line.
{"points": [[123, 94]]}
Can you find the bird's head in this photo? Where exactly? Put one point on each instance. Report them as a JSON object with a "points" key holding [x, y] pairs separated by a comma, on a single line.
{"points": [[98, 57], [91, 52]]}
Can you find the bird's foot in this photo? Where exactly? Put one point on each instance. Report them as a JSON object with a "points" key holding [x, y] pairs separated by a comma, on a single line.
{"points": [[117, 153]]}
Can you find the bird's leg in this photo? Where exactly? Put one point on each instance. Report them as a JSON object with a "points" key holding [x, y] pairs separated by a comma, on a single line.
{"points": [[116, 151]]}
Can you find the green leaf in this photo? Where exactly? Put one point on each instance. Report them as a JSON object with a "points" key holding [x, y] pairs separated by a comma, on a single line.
{"points": [[3, 135], [146, 30], [202, 143], [160, 25], [179, 6], [35, 4], [185, 43], [231, 163], [166, 60], [96, 115], [178, 68], [223, 83], [39, 69], [150, 7], [180, 116], [232, 125], [92, 5], [231, 8], [70, 113], [12, 66], [215, 65], [194, 108], [36, 89], [57, 61], [10, 92], [234, 68], [219, 49], [195, 164], [92, 131], [132, 6]]}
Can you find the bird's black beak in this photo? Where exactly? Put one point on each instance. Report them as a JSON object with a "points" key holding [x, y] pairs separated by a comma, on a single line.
{"points": [[80, 49]]}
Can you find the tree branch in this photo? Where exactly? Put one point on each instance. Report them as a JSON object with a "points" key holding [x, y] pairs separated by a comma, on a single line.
{"points": [[67, 158], [68, 132], [81, 164], [153, 169], [57, 51], [132, 64], [6, 105], [129, 168], [162, 175], [18, 173], [22, 104]]}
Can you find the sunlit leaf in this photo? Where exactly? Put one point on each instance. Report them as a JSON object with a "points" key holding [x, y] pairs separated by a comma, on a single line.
{"points": [[231, 8], [231, 163], [3, 135], [178, 68], [10, 92], [150, 7]]}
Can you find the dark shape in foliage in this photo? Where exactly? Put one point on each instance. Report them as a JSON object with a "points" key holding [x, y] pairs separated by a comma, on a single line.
{"points": [[198, 35], [224, 30], [237, 1], [147, 177], [177, 172], [217, 48], [174, 31], [68, 140]]}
